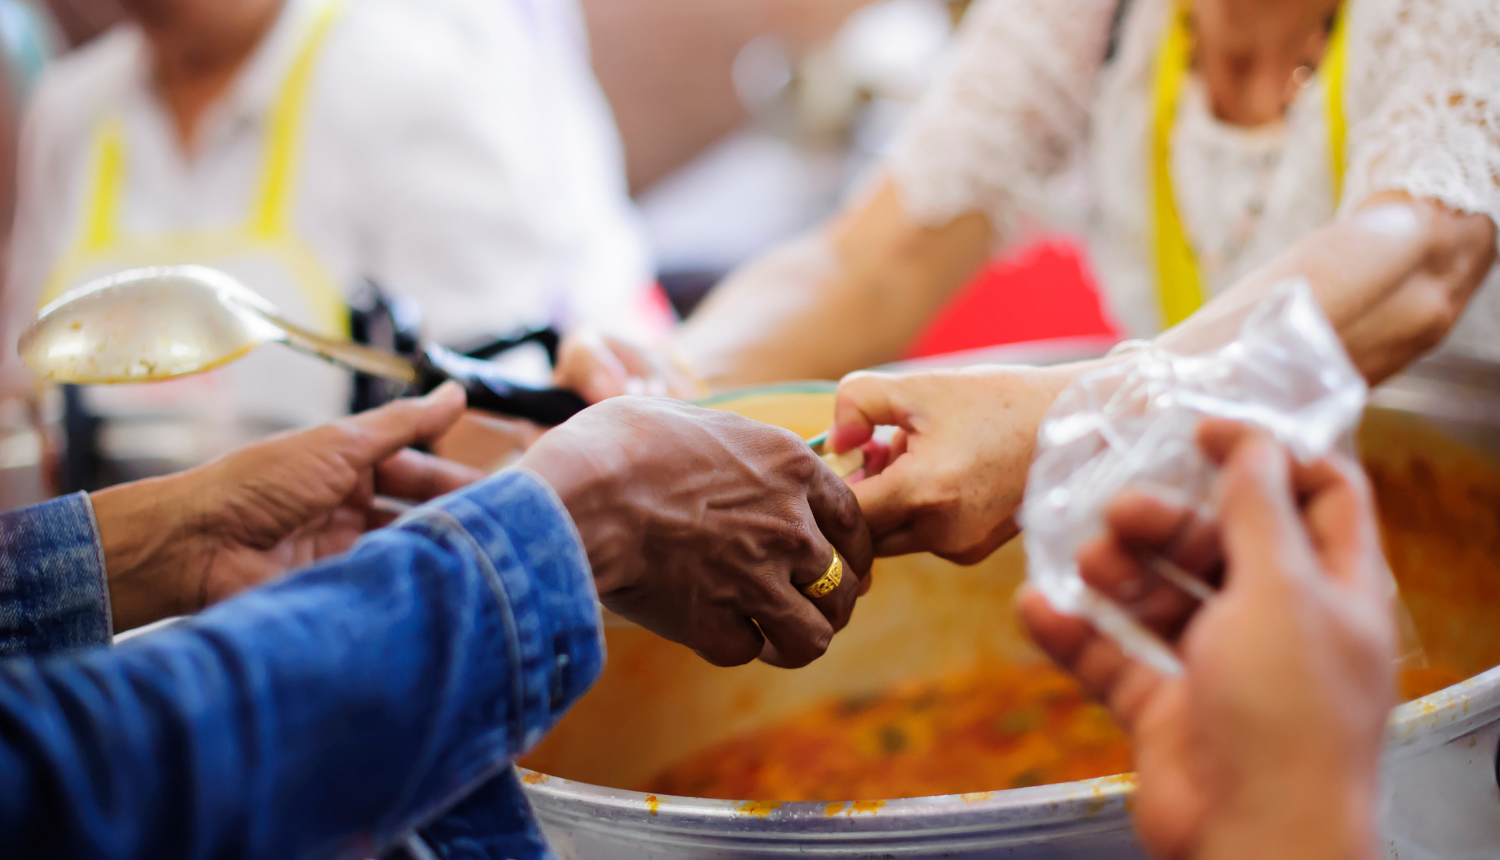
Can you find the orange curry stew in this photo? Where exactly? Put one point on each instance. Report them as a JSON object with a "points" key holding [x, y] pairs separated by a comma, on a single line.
{"points": [[1002, 727]]}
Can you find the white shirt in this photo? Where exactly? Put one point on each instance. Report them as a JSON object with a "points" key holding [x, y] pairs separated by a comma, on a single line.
{"points": [[1029, 102], [458, 152]]}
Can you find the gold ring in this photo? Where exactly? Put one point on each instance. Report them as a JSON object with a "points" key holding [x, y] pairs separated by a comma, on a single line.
{"points": [[828, 581]]}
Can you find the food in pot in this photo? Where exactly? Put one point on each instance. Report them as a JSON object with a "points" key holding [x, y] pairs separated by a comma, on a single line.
{"points": [[999, 727]]}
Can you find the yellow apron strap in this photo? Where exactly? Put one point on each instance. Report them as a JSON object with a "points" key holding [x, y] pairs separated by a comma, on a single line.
{"points": [[1180, 286], [1179, 280], [102, 226], [1332, 70], [268, 230], [271, 214], [101, 217]]}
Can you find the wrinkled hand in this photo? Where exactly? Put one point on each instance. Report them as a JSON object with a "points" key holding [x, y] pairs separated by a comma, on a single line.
{"points": [[1268, 744], [176, 544], [951, 480], [600, 366], [702, 526]]}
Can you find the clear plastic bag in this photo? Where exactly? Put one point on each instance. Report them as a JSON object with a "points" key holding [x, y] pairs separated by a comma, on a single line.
{"points": [[1134, 425]]}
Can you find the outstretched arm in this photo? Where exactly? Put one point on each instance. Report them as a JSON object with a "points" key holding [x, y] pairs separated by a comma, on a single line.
{"points": [[328, 713], [79, 569], [1392, 278], [851, 295], [1010, 112]]}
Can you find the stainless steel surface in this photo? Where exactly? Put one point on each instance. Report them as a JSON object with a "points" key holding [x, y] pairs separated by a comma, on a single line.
{"points": [[1057, 822], [1440, 798], [162, 322]]}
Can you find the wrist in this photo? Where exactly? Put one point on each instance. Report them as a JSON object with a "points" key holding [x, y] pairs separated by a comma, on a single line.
{"points": [[587, 480], [148, 548], [1296, 820]]}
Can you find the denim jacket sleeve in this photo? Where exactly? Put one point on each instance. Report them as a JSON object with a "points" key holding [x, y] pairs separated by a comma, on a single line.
{"points": [[325, 715], [53, 592]]}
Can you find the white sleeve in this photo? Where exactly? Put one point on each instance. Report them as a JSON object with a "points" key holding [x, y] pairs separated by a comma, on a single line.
{"points": [[1009, 112], [1423, 96]]}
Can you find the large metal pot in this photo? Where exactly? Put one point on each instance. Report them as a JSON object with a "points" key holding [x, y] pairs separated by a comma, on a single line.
{"points": [[657, 702]]}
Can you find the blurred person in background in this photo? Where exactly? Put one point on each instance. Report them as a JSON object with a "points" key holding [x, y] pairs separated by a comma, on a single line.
{"points": [[455, 153], [1268, 744], [27, 42], [1228, 145], [384, 689]]}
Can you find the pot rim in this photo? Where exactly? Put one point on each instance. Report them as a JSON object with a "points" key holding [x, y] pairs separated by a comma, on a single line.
{"points": [[1421, 724], [1104, 801]]}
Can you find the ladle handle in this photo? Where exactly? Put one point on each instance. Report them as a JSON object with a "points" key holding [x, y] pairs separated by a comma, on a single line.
{"points": [[490, 391], [355, 356], [545, 406]]}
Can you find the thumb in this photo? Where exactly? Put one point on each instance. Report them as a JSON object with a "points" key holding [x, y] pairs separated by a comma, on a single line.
{"points": [[865, 400], [1262, 533], [403, 423]]}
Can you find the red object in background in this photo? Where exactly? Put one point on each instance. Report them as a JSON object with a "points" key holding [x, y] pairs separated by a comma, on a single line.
{"points": [[1044, 290]]}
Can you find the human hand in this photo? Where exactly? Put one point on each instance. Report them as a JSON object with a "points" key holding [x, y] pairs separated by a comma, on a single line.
{"points": [[702, 526], [599, 366], [1268, 744], [952, 478], [176, 544]]}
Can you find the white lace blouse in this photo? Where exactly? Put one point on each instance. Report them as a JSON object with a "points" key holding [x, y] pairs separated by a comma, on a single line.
{"points": [[1029, 105]]}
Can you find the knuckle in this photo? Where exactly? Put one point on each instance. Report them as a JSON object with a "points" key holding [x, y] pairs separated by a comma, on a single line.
{"points": [[858, 381], [1436, 310], [338, 434], [862, 380], [729, 655], [847, 516], [804, 544], [781, 535], [819, 643], [855, 390], [801, 468], [848, 596]]}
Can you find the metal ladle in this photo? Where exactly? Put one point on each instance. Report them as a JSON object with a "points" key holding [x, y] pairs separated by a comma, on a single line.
{"points": [[163, 322]]}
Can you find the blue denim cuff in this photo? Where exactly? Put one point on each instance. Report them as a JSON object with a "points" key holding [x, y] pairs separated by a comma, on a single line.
{"points": [[543, 584], [54, 593]]}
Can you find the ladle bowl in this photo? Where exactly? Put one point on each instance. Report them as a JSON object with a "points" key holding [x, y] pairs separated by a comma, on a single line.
{"points": [[146, 325]]}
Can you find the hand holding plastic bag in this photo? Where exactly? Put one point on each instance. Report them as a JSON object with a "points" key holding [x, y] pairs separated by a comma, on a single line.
{"points": [[1133, 425]]}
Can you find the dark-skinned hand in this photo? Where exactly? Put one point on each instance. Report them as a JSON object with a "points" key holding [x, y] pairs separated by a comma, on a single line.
{"points": [[702, 526], [176, 544]]}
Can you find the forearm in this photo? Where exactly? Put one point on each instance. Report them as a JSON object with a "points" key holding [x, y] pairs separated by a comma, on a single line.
{"points": [[850, 296], [1392, 279], [332, 710], [149, 549]]}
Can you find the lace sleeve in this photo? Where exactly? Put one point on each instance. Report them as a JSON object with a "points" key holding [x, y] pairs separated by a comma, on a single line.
{"points": [[1424, 102], [1009, 112]]}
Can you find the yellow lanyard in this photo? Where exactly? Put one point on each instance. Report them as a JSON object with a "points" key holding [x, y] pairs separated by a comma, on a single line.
{"points": [[268, 226], [1180, 280]]}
